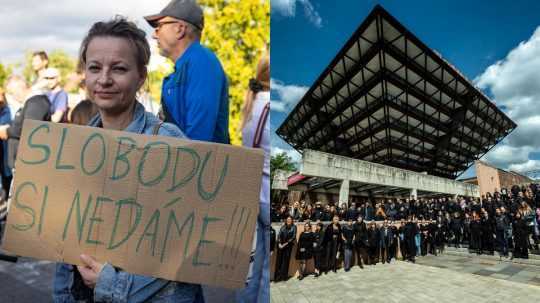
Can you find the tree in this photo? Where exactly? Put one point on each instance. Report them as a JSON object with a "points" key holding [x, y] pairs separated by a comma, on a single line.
{"points": [[5, 72], [281, 161]]}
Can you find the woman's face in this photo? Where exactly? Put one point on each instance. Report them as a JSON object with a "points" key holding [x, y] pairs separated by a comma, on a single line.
{"points": [[112, 76]]}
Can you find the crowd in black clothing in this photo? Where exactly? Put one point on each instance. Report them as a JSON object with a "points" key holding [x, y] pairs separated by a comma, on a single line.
{"points": [[504, 222]]}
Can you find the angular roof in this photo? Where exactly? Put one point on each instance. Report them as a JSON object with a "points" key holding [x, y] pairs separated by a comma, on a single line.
{"points": [[388, 98]]}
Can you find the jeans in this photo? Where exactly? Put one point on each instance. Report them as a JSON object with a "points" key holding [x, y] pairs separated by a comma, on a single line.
{"points": [[502, 242], [348, 258]]}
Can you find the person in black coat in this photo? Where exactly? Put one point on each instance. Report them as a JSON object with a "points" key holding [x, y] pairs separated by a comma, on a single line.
{"points": [[304, 251], [352, 213], [475, 244], [361, 241], [286, 238], [487, 233], [272, 240], [318, 248], [425, 239], [393, 242], [520, 231], [456, 227], [332, 240], [347, 234], [409, 233], [318, 212], [386, 237], [502, 224], [466, 236], [367, 211], [373, 243], [433, 234], [35, 108], [327, 215]]}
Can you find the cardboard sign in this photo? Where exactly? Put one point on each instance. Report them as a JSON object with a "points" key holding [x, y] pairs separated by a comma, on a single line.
{"points": [[151, 205]]}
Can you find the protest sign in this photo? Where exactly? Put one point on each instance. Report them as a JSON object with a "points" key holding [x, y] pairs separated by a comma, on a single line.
{"points": [[151, 205]]}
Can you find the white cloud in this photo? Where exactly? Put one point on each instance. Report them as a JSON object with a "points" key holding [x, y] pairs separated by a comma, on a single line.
{"points": [[284, 7], [61, 24], [525, 166], [504, 154], [287, 8], [277, 106], [514, 83], [311, 13], [517, 76], [288, 95]]}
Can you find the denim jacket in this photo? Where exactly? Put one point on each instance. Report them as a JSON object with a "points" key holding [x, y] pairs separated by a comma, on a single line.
{"points": [[119, 286]]}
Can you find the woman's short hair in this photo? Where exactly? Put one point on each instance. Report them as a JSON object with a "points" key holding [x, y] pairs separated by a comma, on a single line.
{"points": [[118, 27]]}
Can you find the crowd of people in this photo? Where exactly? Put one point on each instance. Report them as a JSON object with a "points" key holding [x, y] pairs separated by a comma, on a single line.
{"points": [[41, 98], [113, 62], [367, 233]]}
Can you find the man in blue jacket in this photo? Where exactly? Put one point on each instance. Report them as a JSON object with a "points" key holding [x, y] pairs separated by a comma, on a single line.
{"points": [[195, 95]]}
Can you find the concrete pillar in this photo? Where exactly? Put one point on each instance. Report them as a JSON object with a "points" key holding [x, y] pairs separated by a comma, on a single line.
{"points": [[344, 192], [414, 193]]}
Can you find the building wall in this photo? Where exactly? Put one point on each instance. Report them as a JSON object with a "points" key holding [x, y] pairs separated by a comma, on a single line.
{"points": [[492, 179], [507, 179], [488, 178]]}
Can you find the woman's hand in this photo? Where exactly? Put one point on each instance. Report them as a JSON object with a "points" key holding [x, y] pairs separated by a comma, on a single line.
{"points": [[3, 132], [90, 271]]}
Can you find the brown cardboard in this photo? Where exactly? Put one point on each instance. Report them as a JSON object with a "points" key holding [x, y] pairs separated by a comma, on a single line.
{"points": [[64, 171]]}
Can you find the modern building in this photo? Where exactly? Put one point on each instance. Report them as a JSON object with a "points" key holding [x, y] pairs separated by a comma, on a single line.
{"points": [[389, 116]]}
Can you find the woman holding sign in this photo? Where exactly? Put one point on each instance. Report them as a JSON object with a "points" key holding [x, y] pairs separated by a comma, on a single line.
{"points": [[114, 56]]}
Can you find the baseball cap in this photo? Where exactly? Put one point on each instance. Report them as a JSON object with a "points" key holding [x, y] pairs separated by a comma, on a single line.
{"points": [[187, 10], [51, 72]]}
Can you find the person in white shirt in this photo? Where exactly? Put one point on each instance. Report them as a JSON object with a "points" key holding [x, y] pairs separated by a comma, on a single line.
{"points": [[256, 133]]}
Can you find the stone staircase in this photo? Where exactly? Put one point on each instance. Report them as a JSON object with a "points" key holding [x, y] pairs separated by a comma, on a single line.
{"points": [[534, 256]]}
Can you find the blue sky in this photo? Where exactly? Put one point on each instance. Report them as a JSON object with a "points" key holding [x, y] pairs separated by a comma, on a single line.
{"points": [[488, 41]]}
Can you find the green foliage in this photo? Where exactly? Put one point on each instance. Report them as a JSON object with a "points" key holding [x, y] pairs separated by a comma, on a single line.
{"points": [[5, 72], [281, 161], [238, 31], [155, 78]]}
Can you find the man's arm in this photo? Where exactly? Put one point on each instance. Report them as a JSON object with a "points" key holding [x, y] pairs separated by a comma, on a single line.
{"points": [[203, 98], [57, 116], [60, 106]]}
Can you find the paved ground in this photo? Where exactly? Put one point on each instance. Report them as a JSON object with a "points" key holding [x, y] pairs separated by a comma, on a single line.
{"points": [[492, 268], [27, 280], [455, 279]]}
